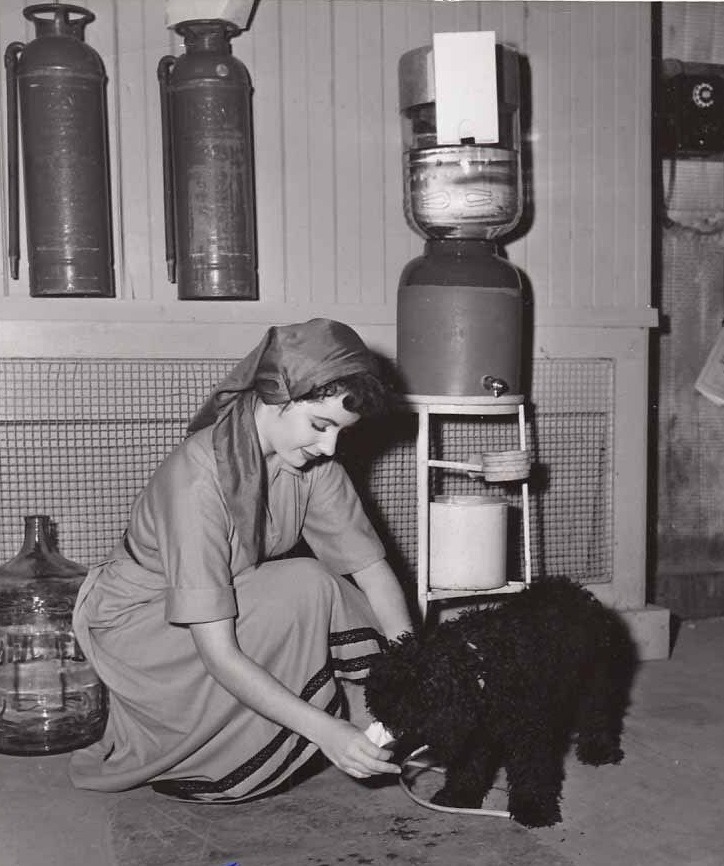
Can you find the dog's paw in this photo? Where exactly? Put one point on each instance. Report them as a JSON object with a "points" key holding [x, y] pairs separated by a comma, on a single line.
{"points": [[456, 799], [597, 753], [534, 814]]}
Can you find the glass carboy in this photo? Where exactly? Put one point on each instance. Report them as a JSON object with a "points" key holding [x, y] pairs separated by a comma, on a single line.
{"points": [[51, 699]]}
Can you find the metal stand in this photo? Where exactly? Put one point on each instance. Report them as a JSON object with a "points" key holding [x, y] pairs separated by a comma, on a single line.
{"points": [[425, 406]]}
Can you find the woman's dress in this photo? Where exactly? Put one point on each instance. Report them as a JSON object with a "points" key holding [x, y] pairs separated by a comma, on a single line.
{"points": [[170, 723]]}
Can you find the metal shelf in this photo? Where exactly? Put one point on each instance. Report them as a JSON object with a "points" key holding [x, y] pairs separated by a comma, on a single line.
{"points": [[430, 404], [442, 594], [453, 464]]}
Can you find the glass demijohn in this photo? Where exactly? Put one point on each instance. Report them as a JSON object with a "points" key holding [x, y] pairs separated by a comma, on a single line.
{"points": [[51, 699]]}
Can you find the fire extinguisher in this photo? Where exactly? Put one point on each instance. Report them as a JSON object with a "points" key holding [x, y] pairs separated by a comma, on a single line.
{"points": [[208, 165], [61, 85]]}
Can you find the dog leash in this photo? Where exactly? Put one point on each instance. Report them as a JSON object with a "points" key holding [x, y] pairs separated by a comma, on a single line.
{"points": [[380, 736], [410, 761]]}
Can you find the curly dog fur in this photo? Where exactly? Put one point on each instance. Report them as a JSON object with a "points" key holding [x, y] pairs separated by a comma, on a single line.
{"points": [[511, 686]]}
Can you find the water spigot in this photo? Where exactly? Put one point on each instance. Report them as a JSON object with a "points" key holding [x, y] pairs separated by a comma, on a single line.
{"points": [[495, 384]]}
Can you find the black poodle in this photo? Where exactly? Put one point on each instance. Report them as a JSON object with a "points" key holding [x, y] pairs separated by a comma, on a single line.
{"points": [[510, 686]]}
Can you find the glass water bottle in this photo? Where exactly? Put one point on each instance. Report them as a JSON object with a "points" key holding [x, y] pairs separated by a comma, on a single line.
{"points": [[51, 699], [467, 190]]}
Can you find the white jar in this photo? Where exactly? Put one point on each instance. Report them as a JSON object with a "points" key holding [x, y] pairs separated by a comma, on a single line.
{"points": [[468, 542]]}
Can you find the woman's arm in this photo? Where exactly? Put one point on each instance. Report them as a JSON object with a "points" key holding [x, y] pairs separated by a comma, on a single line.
{"points": [[379, 583], [343, 744]]}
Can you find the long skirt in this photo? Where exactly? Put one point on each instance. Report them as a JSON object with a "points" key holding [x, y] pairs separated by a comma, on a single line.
{"points": [[172, 725]]}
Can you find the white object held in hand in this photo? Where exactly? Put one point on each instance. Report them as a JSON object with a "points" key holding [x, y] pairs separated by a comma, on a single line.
{"points": [[379, 735]]}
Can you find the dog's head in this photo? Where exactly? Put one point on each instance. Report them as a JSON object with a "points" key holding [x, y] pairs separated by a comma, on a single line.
{"points": [[428, 690]]}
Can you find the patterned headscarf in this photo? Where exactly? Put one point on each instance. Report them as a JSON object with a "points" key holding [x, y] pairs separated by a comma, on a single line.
{"points": [[288, 363]]}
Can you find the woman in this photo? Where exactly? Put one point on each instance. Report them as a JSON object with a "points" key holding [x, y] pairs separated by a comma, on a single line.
{"points": [[227, 666]]}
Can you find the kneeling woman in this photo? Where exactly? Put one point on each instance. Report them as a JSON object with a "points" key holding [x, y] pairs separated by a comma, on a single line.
{"points": [[227, 666]]}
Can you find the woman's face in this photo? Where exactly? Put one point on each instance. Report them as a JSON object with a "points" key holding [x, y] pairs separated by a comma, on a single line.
{"points": [[300, 432]]}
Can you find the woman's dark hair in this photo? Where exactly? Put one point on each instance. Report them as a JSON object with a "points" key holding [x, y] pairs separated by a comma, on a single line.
{"points": [[365, 394]]}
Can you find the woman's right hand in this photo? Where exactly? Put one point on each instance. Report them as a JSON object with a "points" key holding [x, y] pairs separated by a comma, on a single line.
{"points": [[349, 749]]}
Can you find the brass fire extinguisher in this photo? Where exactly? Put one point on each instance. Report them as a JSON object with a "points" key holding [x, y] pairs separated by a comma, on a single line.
{"points": [[61, 84], [208, 165]]}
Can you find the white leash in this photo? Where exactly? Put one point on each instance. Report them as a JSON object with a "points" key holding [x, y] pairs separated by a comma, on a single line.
{"points": [[380, 736], [410, 761]]}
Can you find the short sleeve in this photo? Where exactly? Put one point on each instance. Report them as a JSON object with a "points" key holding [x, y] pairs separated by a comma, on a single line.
{"points": [[335, 524], [182, 514]]}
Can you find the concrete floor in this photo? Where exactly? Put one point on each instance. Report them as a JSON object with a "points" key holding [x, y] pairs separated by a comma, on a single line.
{"points": [[663, 806]]}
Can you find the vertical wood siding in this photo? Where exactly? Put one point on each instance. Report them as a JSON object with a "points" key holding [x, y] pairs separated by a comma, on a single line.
{"points": [[691, 429], [693, 31], [331, 228]]}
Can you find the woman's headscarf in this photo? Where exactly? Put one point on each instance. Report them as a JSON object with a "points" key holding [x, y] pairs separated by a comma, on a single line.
{"points": [[288, 363]]}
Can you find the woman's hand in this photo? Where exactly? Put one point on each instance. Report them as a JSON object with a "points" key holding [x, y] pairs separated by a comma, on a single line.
{"points": [[346, 746], [352, 751]]}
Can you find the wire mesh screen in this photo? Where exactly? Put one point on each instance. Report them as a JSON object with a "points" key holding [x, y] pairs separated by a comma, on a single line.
{"points": [[80, 438], [569, 430]]}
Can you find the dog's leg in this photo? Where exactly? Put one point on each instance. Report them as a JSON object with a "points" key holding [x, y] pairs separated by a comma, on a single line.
{"points": [[535, 770], [599, 734], [468, 781], [603, 705]]}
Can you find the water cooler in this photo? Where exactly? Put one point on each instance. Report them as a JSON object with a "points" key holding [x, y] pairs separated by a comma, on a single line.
{"points": [[459, 314], [460, 305]]}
